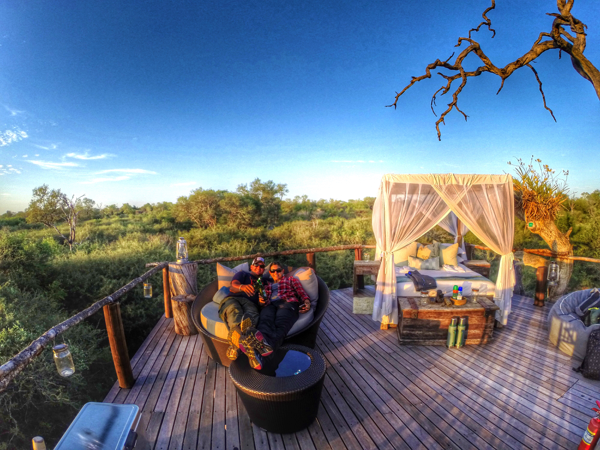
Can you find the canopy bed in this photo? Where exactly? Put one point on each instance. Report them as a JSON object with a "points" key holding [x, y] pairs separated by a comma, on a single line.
{"points": [[407, 206]]}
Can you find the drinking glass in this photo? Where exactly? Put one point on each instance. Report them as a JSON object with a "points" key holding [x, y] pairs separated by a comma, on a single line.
{"points": [[147, 290], [475, 294], [366, 257]]}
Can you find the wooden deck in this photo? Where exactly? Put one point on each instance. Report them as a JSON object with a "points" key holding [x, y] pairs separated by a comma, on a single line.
{"points": [[516, 392]]}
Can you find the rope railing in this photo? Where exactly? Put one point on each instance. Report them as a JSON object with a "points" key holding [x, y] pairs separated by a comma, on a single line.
{"points": [[15, 365], [544, 252]]}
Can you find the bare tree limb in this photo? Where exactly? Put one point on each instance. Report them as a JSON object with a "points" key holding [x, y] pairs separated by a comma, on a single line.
{"points": [[572, 43]]}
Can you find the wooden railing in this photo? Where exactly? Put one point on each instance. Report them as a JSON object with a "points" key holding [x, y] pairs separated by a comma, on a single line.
{"points": [[114, 323]]}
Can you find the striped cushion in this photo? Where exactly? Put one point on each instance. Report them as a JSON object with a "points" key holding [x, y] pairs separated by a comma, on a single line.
{"points": [[225, 274]]}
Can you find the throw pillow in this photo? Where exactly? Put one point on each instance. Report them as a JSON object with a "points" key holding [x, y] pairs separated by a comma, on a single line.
{"points": [[424, 264], [429, 251], [401, 256], [225, 274], [221, 295], [448, 255], [308, 279]]}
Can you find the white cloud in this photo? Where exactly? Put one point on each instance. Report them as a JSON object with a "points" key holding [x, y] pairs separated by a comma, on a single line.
{"points": [[13, 112], [105, 179], [188, 183], [53, 165], [131, 171], [8, 170], [6, 195], [86, 156], [50, 147], [10, 136], [24, 156]]}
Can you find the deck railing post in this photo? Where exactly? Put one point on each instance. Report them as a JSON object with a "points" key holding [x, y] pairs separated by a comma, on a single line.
{"points": [[167, 293], [540, 285], [118, 345], [360, 279], [312, 261]]}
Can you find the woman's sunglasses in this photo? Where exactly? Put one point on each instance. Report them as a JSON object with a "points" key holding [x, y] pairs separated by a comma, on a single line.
{"points": [[276, 270]]}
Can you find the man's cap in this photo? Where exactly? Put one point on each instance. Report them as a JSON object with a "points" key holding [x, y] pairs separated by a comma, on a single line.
{"points": [[258, 259]]}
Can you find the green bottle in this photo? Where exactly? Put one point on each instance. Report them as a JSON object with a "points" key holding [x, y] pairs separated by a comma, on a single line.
{"points": [[451, 341], [462, 333], [259, 288]]}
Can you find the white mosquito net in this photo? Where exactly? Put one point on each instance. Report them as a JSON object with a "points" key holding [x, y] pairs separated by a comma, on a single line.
{"points": [[407, 206]]}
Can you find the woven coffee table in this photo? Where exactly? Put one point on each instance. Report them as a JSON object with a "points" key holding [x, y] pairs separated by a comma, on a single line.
{"points": [[283, 397]]}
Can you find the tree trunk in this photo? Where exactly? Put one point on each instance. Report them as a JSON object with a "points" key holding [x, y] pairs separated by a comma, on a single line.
{"points": [[183, 279], [558, 242]]}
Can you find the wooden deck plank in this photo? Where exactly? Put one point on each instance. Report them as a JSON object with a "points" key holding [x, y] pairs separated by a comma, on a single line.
{"points": [[515, 392]]}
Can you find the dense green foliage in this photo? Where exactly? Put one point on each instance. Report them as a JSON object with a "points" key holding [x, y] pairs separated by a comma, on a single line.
{"points": [[42, 283]]}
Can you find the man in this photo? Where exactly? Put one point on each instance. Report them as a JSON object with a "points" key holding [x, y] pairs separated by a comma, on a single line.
{"points": [[285, 300], [239, 310]]}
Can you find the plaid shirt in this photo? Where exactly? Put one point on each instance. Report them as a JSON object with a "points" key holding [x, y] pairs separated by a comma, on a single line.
{"points": [[289, 290]]}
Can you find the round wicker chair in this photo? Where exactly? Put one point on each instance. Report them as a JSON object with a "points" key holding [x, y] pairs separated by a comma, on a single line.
{"points": [[217, 347]]}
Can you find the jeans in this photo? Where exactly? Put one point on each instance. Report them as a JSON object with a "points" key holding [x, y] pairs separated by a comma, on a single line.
{"points": [[276, 320]]}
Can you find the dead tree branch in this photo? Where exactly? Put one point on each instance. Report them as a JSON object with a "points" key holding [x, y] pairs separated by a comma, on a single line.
{"points": [[559, 38]]}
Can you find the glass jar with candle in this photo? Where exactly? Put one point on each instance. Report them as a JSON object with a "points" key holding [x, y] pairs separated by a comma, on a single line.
{"points": [[63, 360], [147, 290], [182, 250]]}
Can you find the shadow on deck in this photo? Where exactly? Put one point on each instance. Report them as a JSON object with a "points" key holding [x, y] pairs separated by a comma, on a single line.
{"points": [[516, 392]]}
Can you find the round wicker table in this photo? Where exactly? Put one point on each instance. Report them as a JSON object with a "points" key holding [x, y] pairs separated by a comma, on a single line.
{"points": [[279, 398]]}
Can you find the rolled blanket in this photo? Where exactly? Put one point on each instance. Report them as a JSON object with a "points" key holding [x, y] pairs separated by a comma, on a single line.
{"points": [[421, 282]]}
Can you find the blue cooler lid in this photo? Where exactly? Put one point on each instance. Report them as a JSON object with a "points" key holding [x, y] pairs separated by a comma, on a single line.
{"points": [[99, 425]]}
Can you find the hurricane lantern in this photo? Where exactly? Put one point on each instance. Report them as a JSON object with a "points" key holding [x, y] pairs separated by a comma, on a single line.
{"points": [[553, 274], [63, 360], [182, 251]]}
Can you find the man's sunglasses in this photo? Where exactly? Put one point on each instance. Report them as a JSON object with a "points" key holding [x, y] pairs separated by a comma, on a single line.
{"points": [[262, 266], [276, 270]]}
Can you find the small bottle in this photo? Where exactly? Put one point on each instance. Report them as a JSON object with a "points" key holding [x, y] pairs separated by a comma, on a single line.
{"points": [[63, 360], [451, 341], [459, 295], [455, 292], [259, 288], [461, 335], [38, 443]]}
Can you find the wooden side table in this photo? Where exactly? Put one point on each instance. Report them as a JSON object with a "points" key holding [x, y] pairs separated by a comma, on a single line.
{"points": [[481, 266], [362, 268]]}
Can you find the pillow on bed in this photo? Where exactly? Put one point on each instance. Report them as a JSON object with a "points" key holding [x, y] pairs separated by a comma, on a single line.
{"points": [[424, 264], [448, 255], [429, 251], [401, 256], [225, 274]]}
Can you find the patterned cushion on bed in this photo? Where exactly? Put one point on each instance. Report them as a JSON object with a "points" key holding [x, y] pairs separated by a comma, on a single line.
{"points": [[448, 255], [401, 256], [424, 264]]}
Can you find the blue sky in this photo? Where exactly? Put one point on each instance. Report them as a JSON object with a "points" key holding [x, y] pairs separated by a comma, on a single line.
{"points": [[137, 102]]}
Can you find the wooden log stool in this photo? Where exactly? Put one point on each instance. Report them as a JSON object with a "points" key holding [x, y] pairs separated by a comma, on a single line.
{"points": [[184, 289], [182, 317]]}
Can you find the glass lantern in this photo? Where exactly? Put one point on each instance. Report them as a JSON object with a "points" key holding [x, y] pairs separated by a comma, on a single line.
{"points": [[182, 250], [147, 290], [553, 274], [63, 360]]}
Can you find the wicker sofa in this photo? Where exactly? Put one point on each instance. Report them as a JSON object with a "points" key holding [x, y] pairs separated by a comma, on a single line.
{"points": [[566, 330], [217, 346]]}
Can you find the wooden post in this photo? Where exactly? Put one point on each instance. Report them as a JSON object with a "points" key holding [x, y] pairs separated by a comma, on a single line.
{"points": [[469, 251], [182, 315], [360, 279], [312, 261], [167, 293], [183, 279], [459, 236], [118, 345], [540, 285]]}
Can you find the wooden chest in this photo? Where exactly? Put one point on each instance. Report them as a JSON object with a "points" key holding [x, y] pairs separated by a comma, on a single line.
{"points": [[428, 324]]}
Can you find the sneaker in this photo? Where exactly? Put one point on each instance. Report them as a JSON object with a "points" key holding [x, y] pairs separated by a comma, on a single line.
{"points": [[256, 340], [254, 358], [234, 337], [232, 352]]}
